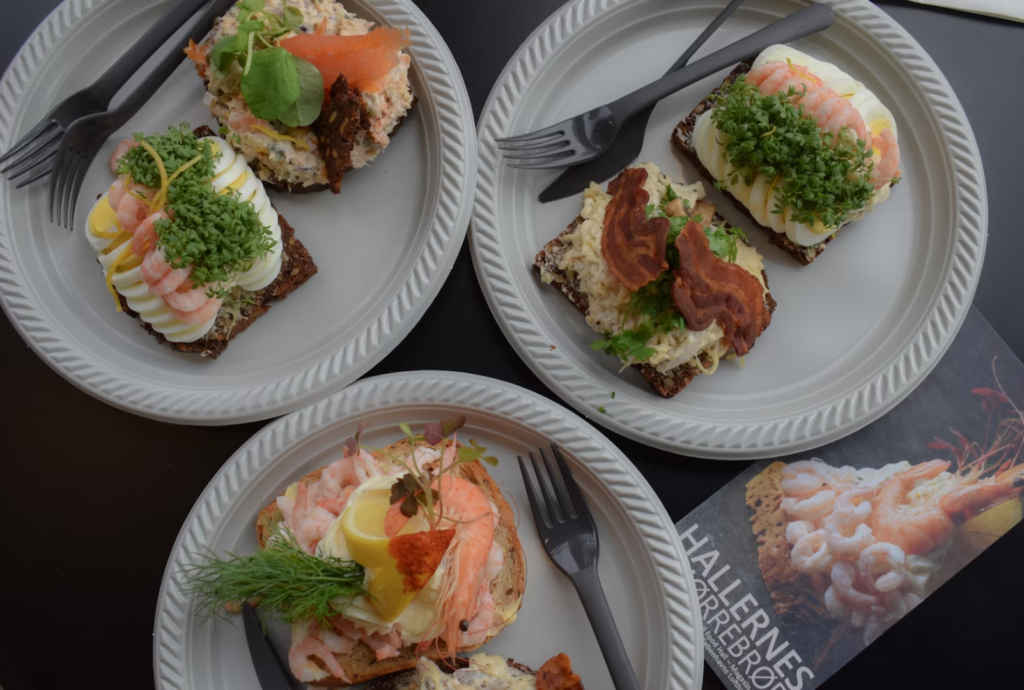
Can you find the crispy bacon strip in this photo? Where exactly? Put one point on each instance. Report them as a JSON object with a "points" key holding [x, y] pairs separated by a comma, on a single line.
{"points": [[556, 674], [708, 289], [632, 245]]}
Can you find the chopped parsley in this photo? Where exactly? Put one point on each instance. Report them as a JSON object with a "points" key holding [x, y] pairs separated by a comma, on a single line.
{"points": [[821, 178], [601, 409], [216, 234], [653, 302]]}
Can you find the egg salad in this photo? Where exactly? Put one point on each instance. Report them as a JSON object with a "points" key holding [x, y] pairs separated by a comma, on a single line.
{"points": [[843, 109]]}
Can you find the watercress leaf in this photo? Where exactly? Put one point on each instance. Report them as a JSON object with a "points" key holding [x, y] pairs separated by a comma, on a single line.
{"points": [[405, 429], [432, 433], [249, 26], [272, 83], [293, 17], [450, 426], [467, 454], [225, 51], [251, 5], [306, 108], [490, 460]]}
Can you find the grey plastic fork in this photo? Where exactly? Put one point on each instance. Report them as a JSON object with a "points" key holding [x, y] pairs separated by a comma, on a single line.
{"points": [[87, 135], [569, 536], [41, 142], [586, 136]]}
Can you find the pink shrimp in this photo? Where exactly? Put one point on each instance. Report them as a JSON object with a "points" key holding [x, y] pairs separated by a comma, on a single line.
{"points": [[815, 98], [144, 237], [200, 315], [122, 148], [308, 521], [467, 556], [161, 278], [757, 75], [775, 77], [384, 646], [116, 193], [186, 297], [131, 211], [844, 577], [888, 163], [242, 120], [847, 117], [154, 266], [312, 645]]}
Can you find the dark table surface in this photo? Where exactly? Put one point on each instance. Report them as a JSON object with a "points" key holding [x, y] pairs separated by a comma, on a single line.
{"points": [[94, 497]]}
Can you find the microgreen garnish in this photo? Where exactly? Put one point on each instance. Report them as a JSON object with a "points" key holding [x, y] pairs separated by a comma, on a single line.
{"points": [[417, 489], [653, 302], [822, 177], [286, 582], [602, 410], [276, 85], [214, 233], [613, 395]]}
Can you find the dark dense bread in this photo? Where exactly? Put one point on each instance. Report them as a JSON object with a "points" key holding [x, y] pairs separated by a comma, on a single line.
{"points": [[666, 384], [296, 268], [682, 137]]}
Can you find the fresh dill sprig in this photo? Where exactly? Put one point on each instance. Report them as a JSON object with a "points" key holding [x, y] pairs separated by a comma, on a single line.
{"points": [[286, 582]]}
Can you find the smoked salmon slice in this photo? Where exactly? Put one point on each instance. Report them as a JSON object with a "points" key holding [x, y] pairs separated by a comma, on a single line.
{"points": [[364, 60]]}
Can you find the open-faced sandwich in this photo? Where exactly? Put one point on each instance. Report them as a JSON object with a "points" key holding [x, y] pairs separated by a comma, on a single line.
{"points": [[670, 286], [801, 147], [304, 89], [189, 241], [846, 552], [484, 672], [405, 551]]}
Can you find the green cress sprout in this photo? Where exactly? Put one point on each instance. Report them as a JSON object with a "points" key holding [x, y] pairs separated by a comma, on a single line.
{"points": [[217, 234], [414, 490], [822, 177], [653, 302], [276, 85]]}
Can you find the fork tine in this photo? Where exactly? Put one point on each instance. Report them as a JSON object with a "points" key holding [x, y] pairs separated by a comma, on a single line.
{"points": [[54, 136], [549, 497], [76, 191], [73, 187], [564, 502], [38, 176], [56, 180], [35, 163], [570, 481], [33, 134], [539, 142], [66, 174], [536, 504], [540, 133]]}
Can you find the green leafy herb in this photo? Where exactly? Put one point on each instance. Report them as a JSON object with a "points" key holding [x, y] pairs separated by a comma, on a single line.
{"points": [[216, 234], [276, 85], [601, 409], [821, 177], [628, 343], [288, 584], [613, 395]]}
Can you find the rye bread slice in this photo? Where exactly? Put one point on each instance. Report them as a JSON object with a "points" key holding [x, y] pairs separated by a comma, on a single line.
{"points": [[682, 137], [296, 268], [507, 590], [666, 384]]}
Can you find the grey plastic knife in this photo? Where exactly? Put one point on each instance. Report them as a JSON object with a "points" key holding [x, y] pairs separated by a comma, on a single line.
{"points": [[270, 670], [630, 139]]}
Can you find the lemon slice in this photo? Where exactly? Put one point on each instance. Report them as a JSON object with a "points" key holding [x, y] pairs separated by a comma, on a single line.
{"points": [[363, 525], [980, 532]]}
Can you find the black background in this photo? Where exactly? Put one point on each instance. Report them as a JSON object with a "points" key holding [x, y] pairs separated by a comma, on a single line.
{"points": [[93, 497]]}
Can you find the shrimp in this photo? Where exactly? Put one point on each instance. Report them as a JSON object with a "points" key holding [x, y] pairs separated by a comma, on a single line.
{"points": [[850, 544], [757, 75], [185, 297], [813, 99], [798, 529], [888, 163], [846, 117], [308, 522], [773, 77], [815, 507], [145, 238], [116, 193], [847, 533], [482, 623], [242, 120], [200, 315], [844, 576], [312, 645], [122, 148], [884, 558], [464, 502], [810, 554], [131, 211], [835, 606], [158, 274], [804, 477], [384, 646]]}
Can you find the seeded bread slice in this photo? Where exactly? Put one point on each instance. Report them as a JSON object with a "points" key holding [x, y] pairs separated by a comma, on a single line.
{"points": [[507, 590], [682, 137], [666, 384], [296, 268]]}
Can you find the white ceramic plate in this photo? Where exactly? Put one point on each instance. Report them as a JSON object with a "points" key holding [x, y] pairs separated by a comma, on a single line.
{"points": [[384, 246], [854, 332], [645, 575]]}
